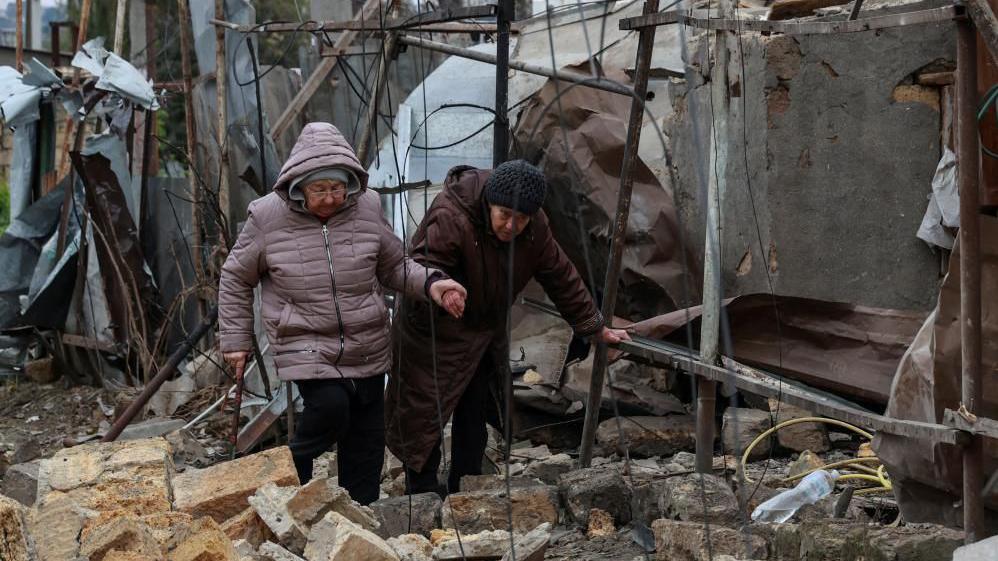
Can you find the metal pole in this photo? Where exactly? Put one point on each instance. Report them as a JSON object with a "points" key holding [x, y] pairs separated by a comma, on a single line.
{"points": [[221, 105], [500, 130], [259, 121], [970, 269], [646, 40], [710, 320], [563, 75], [366, 135], [195, 187], [162, 376]]}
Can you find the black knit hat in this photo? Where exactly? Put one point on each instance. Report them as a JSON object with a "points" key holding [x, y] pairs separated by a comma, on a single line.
{"points": [[518, 185]]}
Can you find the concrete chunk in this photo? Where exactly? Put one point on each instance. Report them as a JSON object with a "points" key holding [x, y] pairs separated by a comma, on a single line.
{"points": [[497, 482], [335, 538], [492, 544], [221, 491], [595, 487], [802, 436], [55, 524], [648, 436], [247, 525], [271, 504], [921, 542], [486, 510], [16, 544], [320, 496], [983, 550], [532, 546], [273, 552], [411, 514], [21, 483]]}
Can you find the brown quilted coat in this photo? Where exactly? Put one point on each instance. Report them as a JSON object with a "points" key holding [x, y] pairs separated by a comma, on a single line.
{"points": [[323, 306], [455, 237]]}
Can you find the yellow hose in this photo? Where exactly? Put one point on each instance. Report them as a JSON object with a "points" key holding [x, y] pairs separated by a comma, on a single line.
{"points": [[878, 475]]}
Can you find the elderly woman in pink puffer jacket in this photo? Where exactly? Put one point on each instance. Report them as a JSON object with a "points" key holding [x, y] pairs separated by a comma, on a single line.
{"points": [[322, 252]]}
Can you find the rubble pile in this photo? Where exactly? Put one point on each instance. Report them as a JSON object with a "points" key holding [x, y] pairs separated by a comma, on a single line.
{"points": [[137, 499]]}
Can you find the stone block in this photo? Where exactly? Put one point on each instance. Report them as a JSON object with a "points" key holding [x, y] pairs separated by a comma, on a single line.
{"points": [[698, 498], [532, 546], [649, 436], [165, 525], [55, 524], [319, 496], [534, 453], [491, 544], [21, 483], [486, 510], [783, 540], [802, 436], [920, 542], [247, 525], [647, 492], [26, 450], [473, 483], [740, 427], [412, 547], [550, 469], [832, 540], [271, 504], [273, 552], [16, 543], [124, 533], [221, 491], [676, 540], [203, 540], [336, 538], [604, 488], [415, 514]]}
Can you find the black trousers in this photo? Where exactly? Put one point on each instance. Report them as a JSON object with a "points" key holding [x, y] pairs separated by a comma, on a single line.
{"points": [[350, 414], [468, 439]]}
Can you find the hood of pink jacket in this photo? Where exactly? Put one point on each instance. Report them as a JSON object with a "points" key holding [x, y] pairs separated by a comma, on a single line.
{"points": [[320, 145]]}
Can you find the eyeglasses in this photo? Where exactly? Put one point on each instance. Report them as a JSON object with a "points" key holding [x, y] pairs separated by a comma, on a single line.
{"points": [[322, 193]]}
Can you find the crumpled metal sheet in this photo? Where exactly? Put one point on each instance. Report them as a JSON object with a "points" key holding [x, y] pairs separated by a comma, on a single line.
{"points": [[846, 349], [115, 74], [928, 475], [944, 205], [584, 178], [20, 247]]}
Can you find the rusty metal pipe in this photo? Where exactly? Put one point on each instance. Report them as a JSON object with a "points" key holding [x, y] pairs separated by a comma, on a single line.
{"points": [[161, 377]]}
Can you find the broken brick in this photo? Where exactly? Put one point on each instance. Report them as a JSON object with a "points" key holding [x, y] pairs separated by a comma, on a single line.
{"points": [[487, 510], [410, 514], [312, 501], [124, 533], [204, 540], [596, 487], [687, 541], [15, 543], [271, 504], [740, 427], [699, 497], [412, 547], [247, 525], [648, 436]]}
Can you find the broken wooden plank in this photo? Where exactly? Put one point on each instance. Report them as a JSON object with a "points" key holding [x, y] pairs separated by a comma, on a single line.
{"points": [[88, 343], [790, 9], [980, 425], [764, 384], [319, 75], [987, 25], [702, 21], [936, 79]]}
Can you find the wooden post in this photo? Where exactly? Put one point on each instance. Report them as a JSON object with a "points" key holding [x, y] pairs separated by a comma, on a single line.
{"points": [[500, 130], [19, 36], [717, 159], [221, 106], [119, 27], [646, 41], [195, 187], [370, 123], [968, 167]]}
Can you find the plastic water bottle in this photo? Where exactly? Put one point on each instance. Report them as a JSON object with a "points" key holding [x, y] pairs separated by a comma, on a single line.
{"points": [[809, 491]]}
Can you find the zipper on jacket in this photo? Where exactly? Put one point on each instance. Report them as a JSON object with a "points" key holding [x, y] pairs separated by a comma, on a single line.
{"points": [[336, 302], [294, 352]]}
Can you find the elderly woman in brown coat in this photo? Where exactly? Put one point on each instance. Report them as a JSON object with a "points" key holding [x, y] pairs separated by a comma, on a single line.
{"points": [[322, 253], [444, 365]]}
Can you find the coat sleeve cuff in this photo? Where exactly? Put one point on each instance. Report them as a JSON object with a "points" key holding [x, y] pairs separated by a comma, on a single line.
{"points": [[590, 326], [434, 277], [229, 342]]}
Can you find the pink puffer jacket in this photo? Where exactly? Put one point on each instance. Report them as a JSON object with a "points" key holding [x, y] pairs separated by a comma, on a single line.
{"points": [[323, 306]]}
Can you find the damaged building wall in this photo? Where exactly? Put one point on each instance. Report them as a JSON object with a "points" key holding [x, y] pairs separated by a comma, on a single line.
{"points": [[841, 146]]}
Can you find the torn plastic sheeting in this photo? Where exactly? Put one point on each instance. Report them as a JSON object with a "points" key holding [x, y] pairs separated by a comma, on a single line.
{"points": [[41, 76], [928, 475], [18, 101], [50, 304], [944, 205], [846, 349], [20, 247], [22, 165], [91, 56], [113, 148], [115, 74]]}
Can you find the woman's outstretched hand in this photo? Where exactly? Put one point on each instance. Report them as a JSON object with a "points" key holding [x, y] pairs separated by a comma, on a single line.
{"points": [[449, 295]]}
